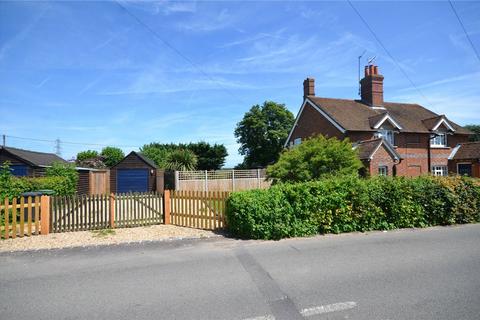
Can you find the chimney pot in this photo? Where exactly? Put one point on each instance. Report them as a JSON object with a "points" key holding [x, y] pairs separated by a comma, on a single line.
{"points": [[308, 87], [366, 71], [375, 69]]}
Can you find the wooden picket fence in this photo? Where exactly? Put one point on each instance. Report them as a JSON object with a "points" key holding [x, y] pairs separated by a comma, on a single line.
{"points": [[94, 212], [138, 209], [199, 209], [20, 217], [78, 213], [34, 215]]}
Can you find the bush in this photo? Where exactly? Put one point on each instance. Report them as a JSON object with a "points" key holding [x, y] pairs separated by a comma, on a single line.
{"points": [[67, 171], [61, 185], [314, 159], [348, 203], [60, 178]]}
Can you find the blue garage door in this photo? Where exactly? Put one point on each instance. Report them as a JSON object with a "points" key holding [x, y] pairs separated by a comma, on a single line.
{"points": [[132, 180], [19, 170]]}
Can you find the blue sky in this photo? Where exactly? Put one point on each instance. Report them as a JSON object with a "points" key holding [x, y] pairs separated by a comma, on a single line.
{"points": [[88, 72]]}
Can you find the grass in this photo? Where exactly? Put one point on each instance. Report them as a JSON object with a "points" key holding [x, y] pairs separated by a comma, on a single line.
{"points": [[103, 233]]}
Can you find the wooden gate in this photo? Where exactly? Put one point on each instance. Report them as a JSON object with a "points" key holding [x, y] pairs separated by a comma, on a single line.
{"points": [[198, 209], [93, 212], [99, 182], [138, 209]]}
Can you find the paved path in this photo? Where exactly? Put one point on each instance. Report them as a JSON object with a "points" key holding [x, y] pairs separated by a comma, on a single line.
{"points": [[410, 274]]}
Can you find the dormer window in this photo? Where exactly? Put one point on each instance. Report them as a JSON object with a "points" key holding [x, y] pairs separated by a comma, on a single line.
{"points": [[387, 135], [439, 140]]}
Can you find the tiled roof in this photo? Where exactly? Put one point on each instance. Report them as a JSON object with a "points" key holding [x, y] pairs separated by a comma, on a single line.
{"points": [[33, 157], [354, 115], [467, 150], [367, 148]]}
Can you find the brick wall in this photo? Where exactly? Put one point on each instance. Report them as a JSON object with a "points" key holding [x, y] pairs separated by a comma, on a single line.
{"points": [[381, 158], [452, 166], [311, 122]]}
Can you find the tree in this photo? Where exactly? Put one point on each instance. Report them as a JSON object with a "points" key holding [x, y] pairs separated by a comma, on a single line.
{"points": [[475, 128], [181, 160], [168, 156], [209, 157], [85, 155], [315, 158], [112, 155], [262, 133]]}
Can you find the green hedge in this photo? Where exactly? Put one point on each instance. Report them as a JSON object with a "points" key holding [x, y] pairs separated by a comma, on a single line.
{"points": [[61, 178], [346, 204]]}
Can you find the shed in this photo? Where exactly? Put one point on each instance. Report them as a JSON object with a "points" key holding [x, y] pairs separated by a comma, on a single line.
{"points": [[93, 181], [28, 163], [136, 173]]}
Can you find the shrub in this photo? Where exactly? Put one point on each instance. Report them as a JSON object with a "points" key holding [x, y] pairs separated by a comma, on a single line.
{"points": [[348, 203], [314, 159], [61, 185], [67, 171]]}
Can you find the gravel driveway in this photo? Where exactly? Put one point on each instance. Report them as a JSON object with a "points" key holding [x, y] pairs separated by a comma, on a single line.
{"points": [[102, 237]]}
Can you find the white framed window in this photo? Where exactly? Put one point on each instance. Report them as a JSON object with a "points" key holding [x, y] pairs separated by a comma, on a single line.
{"points": [[383, 171], [440, 171], [440, 140], [388, 135], [297, 141]]}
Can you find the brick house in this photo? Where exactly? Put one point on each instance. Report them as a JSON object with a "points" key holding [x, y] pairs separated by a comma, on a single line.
{"points": [[465, 159], [392, 138]]}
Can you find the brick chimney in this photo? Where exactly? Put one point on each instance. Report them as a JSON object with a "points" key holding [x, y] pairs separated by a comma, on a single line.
{"points": [[308, 87], [372, 87]]}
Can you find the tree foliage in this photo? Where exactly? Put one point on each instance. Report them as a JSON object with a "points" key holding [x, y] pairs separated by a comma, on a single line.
{"points": [[315, 158], [262, 133], [199, 155], [475, 128], [85, 155], [210, 157], [112, 155]]}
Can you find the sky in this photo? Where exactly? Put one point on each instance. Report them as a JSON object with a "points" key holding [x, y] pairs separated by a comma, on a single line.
{"points": [[104, 73]]}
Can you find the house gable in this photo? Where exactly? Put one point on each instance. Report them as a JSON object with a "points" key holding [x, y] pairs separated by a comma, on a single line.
{"points": [[312, 120]]}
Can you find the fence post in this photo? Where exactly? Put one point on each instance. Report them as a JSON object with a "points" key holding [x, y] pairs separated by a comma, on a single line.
{"points": [[112, 210], [166, 204], [258, 178], [44, 215], [177, 180], [206, 181], [233, 180]]}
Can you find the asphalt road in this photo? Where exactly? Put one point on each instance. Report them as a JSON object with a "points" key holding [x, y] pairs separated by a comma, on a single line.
{"points": [[410, 274]]}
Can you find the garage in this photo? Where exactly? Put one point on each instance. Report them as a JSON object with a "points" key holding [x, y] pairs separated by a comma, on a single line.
{"points": [[135, 173], [132, 180]]}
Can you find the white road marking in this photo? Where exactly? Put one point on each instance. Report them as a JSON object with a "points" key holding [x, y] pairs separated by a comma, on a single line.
{"points": [[267, 317], [328, 308]]}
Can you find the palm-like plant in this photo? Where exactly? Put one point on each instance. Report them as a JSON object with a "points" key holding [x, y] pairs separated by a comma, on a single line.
{"points": [[181, 160]]}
